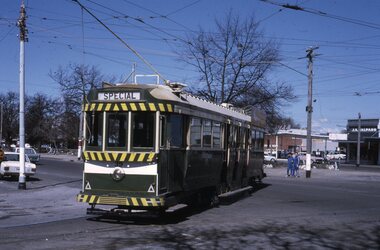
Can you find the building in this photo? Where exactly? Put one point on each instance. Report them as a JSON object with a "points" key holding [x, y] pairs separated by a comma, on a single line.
{"points": [[369, 141], [294, 140]]}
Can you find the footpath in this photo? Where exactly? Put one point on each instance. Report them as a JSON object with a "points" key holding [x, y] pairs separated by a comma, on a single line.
{"points": [[63, 157], [40, 204]]}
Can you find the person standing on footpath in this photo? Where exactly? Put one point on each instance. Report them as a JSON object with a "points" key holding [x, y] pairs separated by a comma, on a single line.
{"points": [[296, 165], [289, 170]]}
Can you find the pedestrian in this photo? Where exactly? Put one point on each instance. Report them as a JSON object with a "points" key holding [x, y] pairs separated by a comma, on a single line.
{"points": [[296, 164], [290, 165]]}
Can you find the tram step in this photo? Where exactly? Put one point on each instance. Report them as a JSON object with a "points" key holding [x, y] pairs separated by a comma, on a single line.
{"points": [[176, 208], [235, 192]]}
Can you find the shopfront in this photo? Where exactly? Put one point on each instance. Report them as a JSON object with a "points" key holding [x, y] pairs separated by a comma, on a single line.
{"points": [[369, 141]]}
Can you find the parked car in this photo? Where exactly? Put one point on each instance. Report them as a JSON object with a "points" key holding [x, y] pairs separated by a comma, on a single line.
{"points": [[10, 166], [314, 159], [336, 156], [269, 158], [32, 154]]}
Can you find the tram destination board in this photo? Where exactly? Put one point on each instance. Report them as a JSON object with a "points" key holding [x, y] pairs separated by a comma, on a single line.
{"points": [[118, 96]]}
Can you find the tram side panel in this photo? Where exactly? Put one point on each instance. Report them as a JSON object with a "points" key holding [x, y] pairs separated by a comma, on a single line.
{"points": [[256, 165], [171, 170], [203, 169]]}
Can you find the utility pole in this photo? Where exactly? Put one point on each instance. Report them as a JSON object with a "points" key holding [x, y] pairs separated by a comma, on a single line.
{"points": [[23, 38], [358, 144], [309, 109], [80, 136], [1, 125]]}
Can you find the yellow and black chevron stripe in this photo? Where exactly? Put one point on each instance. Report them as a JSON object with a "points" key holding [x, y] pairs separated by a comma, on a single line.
{"points": [[119, 157], [124, 201], [128, 106]]}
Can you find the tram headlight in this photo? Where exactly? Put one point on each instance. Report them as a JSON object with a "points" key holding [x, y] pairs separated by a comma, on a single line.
{"points": [[118, 174]]}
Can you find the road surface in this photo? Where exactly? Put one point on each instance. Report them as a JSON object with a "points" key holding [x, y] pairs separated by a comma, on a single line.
{"points": [[331, 210]]}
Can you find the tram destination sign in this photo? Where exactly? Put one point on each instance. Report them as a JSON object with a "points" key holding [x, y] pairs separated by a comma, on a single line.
{"points": [[118, 96]]}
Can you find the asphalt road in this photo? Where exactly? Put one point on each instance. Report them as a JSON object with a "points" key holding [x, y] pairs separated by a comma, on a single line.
{"points": [[331, 210]]}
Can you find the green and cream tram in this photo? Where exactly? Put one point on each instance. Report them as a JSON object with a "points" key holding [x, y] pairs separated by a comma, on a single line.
{"points": [[154, 146]]}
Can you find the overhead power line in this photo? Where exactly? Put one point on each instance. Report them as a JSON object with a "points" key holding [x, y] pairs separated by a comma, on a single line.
{"points": [[366, 93], [324, 14], [182, 8], [163, 16], [140, 20], [122, 41]]}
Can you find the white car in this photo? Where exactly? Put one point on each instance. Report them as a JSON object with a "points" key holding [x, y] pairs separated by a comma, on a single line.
{"points": [[335, 156], [10, 166], [269, 158]]}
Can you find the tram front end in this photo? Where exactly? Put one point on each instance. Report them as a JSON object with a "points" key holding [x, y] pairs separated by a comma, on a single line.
{"points": [[121, 151]]}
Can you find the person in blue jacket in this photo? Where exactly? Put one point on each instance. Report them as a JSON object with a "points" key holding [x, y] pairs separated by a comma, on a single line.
{"points": [[290, 169], [296, 163]]}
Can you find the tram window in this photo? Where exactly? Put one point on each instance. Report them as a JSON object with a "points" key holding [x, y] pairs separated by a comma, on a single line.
{"points": [[231, 135], [143, 130], [216, 132], [254, 139], [207, 132], [94, 122], [237, 138], [260, 143], [95, 129], [195, 132], [163, 131], [175, 130], [117, 130], [242, 138]]}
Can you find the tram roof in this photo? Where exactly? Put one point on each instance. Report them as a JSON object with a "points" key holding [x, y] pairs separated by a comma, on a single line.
{"points": [[167, 93], [198, 102]]}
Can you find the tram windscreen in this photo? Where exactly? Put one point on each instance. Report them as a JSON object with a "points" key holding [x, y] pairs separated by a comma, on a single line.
{"points": [[117, 130], [94, 129], [143, 130]]}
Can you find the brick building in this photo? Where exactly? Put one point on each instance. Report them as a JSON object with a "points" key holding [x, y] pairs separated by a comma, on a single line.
{"points": [[294, 140]]}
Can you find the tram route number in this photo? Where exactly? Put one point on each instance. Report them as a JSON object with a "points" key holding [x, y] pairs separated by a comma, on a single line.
{"points": [[118, 96]]}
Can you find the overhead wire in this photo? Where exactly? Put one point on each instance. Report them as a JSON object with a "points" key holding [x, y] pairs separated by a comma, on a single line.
{"points": [[346, 74], [161, 15], [140, 20], [122, 41], [325, 14]]}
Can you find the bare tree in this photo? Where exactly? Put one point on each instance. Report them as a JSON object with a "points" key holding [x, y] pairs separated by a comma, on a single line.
{"points": [[75, 81], [10, 102], [233, 65], [42, 113]]}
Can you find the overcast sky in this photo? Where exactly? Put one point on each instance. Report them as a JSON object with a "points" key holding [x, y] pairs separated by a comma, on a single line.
{"points": [[346, 71]]}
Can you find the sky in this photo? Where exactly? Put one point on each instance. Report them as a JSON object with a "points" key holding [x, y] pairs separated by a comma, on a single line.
{"points": [[347, 33]]}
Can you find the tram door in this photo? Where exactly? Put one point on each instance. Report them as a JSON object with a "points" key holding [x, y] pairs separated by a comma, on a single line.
{"points": [[172, 152], [232, 154], [163, 157]]}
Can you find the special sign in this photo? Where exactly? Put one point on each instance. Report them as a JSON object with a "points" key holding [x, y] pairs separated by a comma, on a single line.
{"points": [[118, 96]]}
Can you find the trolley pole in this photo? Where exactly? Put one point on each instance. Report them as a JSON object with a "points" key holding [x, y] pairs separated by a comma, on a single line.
{"points": [[309, 109], [358, 144], [23, 38]]}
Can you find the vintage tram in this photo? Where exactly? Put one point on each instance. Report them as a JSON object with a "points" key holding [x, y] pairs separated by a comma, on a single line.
{"points": [[151, 147]]}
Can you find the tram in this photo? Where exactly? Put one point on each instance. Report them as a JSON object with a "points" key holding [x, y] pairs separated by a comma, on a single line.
{"points": [[152, 147]]}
